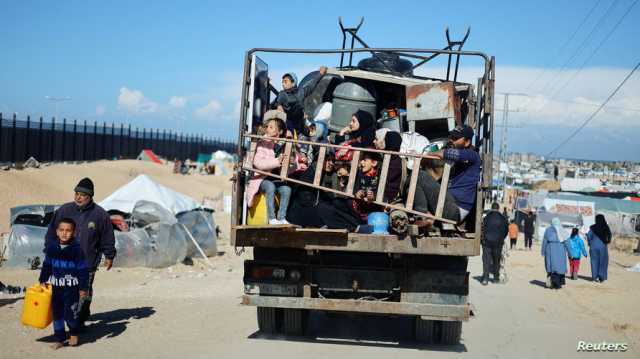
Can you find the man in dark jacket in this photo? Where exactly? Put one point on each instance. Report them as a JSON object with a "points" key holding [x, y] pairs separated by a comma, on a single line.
{"points": [[93, 231], [529, 229], [494, 231], [465, 172]]}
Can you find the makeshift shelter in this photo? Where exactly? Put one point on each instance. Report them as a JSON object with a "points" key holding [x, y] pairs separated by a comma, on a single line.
{"points": [[144, 188], [148, 155], [203, 157]]}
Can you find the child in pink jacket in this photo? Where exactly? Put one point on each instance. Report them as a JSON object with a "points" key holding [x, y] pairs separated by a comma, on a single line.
{"points": [[265, 159]]}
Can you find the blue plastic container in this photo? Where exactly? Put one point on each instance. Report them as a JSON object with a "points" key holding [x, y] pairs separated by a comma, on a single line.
{"points": [[379, 221]]}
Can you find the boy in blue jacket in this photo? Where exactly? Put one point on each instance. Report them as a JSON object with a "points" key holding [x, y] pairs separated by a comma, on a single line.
{"points": [[575, 248], [66, 269]]}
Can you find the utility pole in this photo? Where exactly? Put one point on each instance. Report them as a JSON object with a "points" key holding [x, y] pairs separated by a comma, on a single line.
{"points": [[502, 154]]}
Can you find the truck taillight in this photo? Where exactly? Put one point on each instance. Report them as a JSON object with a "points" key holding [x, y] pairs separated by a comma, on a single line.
{"points": [[266, 272], [261, 273]]}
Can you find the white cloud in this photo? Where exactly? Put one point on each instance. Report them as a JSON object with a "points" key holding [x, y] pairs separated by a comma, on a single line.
{"points": [[100, 110], [178, 101], [550, 102], [135, 101], [209, 110]]}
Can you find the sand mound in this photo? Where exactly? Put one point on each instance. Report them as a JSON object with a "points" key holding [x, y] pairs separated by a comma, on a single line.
{"points": [[54, 184]]}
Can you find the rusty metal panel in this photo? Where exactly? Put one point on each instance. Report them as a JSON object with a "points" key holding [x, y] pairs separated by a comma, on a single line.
{"points": [[435, 311], [432, 101]]}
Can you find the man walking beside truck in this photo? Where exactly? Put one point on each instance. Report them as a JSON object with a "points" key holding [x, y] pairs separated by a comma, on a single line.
{"points": [[494, 231]]}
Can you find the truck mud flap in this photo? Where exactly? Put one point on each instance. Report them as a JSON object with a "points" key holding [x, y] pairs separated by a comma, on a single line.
{"points": [[426, 311]]}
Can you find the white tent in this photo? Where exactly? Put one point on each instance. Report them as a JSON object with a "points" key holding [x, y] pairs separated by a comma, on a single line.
{"points": [[222, 156], [144, 188]]}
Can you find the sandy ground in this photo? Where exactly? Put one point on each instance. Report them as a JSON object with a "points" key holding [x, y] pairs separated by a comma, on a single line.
{"points": [[194, 311], [54, 184]]}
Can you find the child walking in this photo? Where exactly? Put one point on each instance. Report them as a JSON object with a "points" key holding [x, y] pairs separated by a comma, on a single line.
{"points": [[65, 268], [265, 160], [575, 248]]}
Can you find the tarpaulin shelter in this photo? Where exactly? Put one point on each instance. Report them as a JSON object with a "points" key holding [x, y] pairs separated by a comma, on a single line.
{"points": [[144, 188], [148, 155]]}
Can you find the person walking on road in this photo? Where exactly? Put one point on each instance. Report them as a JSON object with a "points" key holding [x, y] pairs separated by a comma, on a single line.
{"points": [[494, 231], [513, 233], [575, 249], [93, 231], [555, 254], [599, 237], [529, 229]]}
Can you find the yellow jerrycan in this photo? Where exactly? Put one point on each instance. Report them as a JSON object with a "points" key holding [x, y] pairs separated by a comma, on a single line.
{"points": [[257, 215], [37, 310]]}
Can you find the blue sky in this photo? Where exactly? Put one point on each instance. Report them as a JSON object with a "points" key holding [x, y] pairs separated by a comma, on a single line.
{"points": [[178, 65]]}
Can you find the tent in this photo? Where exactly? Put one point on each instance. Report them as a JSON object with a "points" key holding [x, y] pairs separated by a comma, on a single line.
{"points": [[222, 156], [148, 155], [144, 188], [203, 157]]}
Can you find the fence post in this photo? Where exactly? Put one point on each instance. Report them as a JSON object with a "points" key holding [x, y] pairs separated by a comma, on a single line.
{"points": [[84, 141], [39, 139], [137, 149], [26, 139], [113, 141], [74, 141], [13, 140], [64, 139], [53, 139], [129, 142], [95, 140], [104, 139], [121, 152]]}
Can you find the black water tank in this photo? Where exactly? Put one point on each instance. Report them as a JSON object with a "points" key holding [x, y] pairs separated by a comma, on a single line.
{"points": [[393, 61]]}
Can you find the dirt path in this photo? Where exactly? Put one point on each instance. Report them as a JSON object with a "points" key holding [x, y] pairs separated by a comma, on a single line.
{"points": [[185, 312]]}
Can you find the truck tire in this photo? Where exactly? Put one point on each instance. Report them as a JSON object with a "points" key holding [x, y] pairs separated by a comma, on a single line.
{"points": [[424, 330], [295, 321], [268, 320], [451, 332]]}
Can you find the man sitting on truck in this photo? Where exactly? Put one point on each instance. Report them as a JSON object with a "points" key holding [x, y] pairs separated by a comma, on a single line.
{"points": [[465, 171], [291, 99]]}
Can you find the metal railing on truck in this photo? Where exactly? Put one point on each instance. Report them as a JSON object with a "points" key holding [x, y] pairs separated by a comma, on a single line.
{"points": [[355, 160]]}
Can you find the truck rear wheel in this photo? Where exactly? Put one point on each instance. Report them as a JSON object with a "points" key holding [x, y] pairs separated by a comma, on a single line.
{"points": [[269, 320], [424, 330], [451, 333], [295, 321]]}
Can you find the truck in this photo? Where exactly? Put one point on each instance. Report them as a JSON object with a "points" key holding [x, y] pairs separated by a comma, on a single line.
{"points": [[295, 271]]}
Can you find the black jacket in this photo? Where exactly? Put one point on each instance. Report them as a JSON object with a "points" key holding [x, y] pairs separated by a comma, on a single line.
{"points": [[529, 222], [94, 231], [494, 229]]}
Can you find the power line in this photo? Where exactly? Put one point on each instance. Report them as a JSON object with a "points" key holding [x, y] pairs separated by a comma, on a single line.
{"points": [[615, 27], [575, 32], [580, 47], [595, 113]]}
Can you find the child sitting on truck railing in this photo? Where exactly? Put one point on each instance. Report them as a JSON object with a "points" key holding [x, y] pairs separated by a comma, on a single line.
{"points": [[265, 159]]}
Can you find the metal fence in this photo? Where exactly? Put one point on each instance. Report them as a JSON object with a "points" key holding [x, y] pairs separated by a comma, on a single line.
{"points": [[72, 141]]}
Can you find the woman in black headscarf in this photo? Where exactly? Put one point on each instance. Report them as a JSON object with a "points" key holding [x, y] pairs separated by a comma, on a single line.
{"points": [[599, 237], [361, 129]]}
